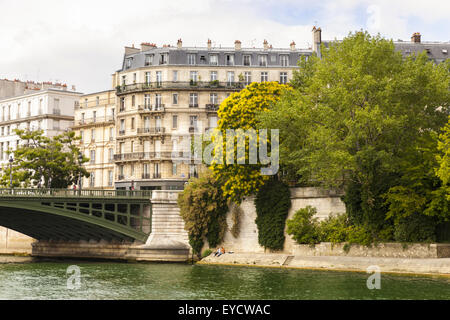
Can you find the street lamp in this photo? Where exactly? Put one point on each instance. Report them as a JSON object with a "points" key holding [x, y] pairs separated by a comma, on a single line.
{"points": [[80, 158], [10, 171]]}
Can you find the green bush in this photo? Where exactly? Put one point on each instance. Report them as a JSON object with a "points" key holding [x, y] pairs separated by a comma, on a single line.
{"points": [[416, 228], [303, 227], [272, 204], [334, 229], [203, 209]]}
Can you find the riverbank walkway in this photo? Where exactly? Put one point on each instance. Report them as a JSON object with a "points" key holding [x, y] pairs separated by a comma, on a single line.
{"points": [[437, 266]]}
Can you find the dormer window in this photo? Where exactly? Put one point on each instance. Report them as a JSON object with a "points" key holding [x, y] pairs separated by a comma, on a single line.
{"points": [[284, 60], [213, 60], [164, 58], [149, 59], [230, 59], [202, 59], [128, 62], [247, 59], [262, 60], [191, 58], [444, 51]]}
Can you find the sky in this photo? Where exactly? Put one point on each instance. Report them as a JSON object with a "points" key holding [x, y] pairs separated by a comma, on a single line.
{"points": [[81, 42]]}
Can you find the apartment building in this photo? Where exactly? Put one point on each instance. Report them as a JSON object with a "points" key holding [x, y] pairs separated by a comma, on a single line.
{"points": [[14, 88], [165, 94], [50, 110], [95, 124]]}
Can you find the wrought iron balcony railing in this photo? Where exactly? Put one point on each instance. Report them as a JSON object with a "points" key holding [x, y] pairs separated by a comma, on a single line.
{"points": [[179, 85], [212, 107], [151, 131]]}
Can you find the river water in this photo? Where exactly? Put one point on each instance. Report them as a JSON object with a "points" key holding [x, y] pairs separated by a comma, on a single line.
{"points": [[105, 280]]}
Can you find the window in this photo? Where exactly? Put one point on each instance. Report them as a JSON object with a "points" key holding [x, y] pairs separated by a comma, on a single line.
{"points": [[175, 76], [94, 116], [273, 58], [230, 77], [284, 60], [247, 77], [110, 154], [174, 169], [128, 63], [147, 101], [149, 59], [214, 60], [146, 124], [191, 58], [92, 180], [110, 178], [213, 122], [122, 125], [175, 98], [133, 100], [124, 82], [111, 134], [193, 121], [82, 135], [264, 76], [263, 60], [122, 104], [193, 76], [92, 135], [230, 59], [158, 100], [202, 59], [164, 58], [132, 123], [132, 170], [92, 157], [158, 78], [283, 77], [213, 75], [158, 123], [132, 146], [148, 77], [213, 99], [193, 100], [113, 113], [247, 60], [97, 101], [174, 122]]}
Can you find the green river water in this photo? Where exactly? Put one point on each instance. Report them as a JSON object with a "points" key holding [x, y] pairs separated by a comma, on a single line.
{"points": [[105, 280]]}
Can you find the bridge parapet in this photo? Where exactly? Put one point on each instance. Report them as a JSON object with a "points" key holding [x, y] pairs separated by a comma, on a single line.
{"points": [[70, 193]]}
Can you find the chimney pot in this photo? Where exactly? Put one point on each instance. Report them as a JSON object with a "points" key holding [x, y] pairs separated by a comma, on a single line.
{"points": [[237, 45], [179, 44], [416, 37], [292, 45], [266, 44]]}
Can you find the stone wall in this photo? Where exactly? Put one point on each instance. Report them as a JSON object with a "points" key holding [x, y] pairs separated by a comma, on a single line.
{"points": [[326, 203], [12, 242]]}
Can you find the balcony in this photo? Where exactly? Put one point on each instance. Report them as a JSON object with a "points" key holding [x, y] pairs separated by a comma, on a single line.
{"points": [[146, 176], [178, 85], [151, 109], [151, 131], [212, 107], [149, 156], [89, 121], [157, 175]]}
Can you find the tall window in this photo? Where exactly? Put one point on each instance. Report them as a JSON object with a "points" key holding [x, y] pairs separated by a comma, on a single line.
{"points": [[122, 104], [110, 154], [193, 121], [191, 58], [148, 77], [97, 101], [147, 101], [193, 76], [193, 100], [247, 77], [122, 125], [174, 169], [213, 98], [94, 116], [92, 180], [158, 100], [128, 63], [230, 77], [93, 135], [132, 123], [110, 178], [174, 75], [164, 58], [283, 77], [174, 122], [92, 156], [175, 98], [247, 60], [133, 100], [124, 82], [213, 75], [264, 76], [262, 60], [284, 60], [111, 134], [158, 78]]}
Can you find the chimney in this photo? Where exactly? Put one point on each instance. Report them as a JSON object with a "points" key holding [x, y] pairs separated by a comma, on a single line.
{"points": [[74, 88], [292, 45], [237, 45], [131, 50], [266, 44], [317, 39], [416, 37], [145, 46], [209, 44], [179, 44]]}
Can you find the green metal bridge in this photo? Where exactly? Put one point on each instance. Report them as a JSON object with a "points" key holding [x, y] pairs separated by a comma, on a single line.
{"points": [[74, 215]]}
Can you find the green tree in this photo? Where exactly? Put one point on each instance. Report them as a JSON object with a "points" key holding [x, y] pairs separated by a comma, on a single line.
{"points": [[355, 115], [238, 111], [203, 208], [55, 160]]}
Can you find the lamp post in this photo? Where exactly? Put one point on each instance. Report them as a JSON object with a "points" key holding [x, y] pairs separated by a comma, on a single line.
{"points": [[10, 171], [80, 158]]}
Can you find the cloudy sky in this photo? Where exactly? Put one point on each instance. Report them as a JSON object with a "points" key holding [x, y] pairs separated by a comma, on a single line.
{"points": [[81, 42]]}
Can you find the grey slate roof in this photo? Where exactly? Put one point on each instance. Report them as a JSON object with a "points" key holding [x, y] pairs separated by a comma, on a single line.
{"points": [[180, 56]]}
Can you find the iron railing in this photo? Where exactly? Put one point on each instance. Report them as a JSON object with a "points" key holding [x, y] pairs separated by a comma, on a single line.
{"points": [[45, 192], [179, 85]]}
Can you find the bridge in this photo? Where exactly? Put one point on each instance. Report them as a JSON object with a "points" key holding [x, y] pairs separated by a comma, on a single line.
{"points": [[74, 215]]}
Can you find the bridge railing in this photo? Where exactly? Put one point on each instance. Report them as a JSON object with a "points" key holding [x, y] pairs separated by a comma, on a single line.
{"points": [[86, 193]]}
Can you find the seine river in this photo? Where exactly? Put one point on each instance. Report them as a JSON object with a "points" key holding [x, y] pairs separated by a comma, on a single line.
{"points": [[105, 280]]}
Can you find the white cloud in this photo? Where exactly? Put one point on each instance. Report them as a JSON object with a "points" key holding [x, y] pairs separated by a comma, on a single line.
{"points": [[81, 42]]}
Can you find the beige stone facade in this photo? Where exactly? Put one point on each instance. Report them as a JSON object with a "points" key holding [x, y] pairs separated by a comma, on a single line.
{"points": [[95, 123]]}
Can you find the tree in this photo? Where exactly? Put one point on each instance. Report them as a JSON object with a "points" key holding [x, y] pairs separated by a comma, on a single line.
{"points": [[355, 116], [238, 111], [203, 209], [55, 160]]}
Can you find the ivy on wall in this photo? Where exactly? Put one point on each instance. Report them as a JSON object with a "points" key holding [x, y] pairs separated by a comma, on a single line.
{"points": [[272, 203]]}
